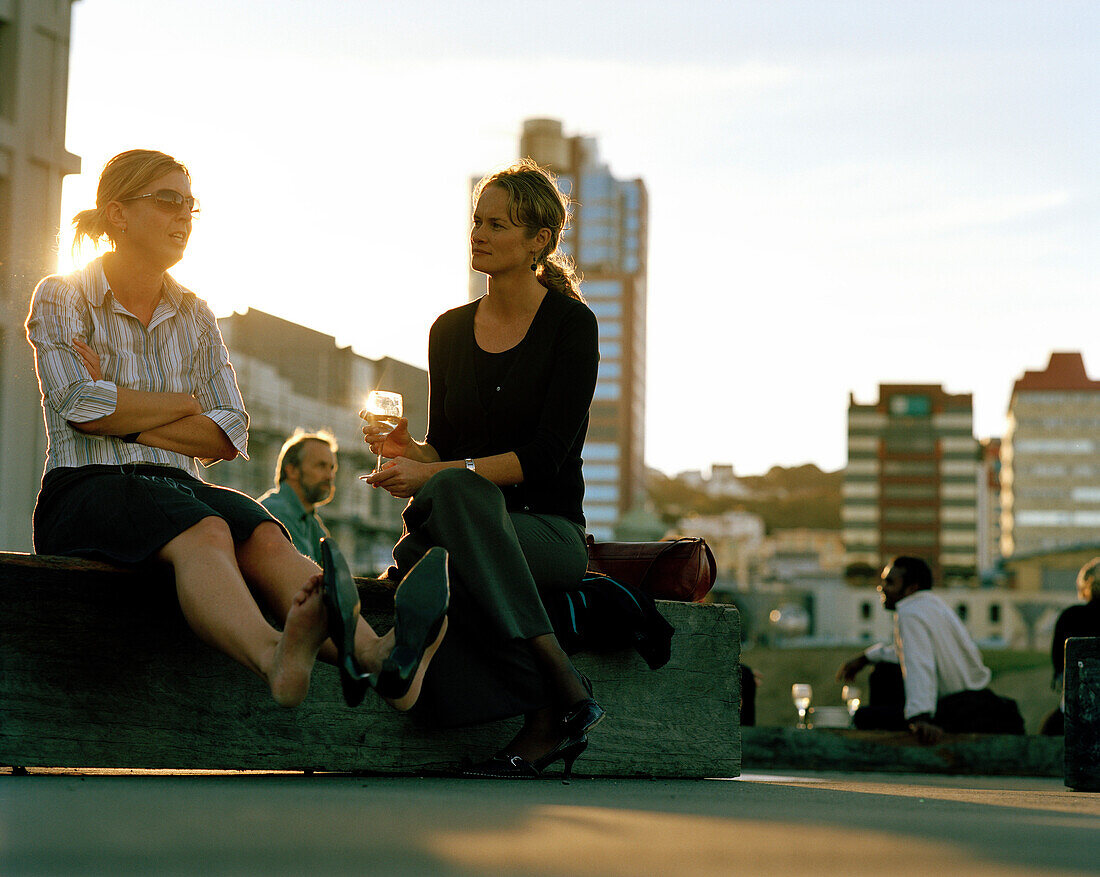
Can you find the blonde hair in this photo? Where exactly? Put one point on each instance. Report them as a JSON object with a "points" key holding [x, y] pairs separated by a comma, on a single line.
{"points": [[535, 202], [124, 175]]}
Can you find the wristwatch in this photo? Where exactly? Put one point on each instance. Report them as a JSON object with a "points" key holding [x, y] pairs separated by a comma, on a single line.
{"points": [[470, 465]]}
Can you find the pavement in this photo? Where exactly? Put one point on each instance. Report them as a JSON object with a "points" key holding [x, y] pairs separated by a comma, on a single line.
{"points": [[61, 822]]}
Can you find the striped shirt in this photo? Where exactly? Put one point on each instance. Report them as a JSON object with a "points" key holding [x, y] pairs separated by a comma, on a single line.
{"points": [[181, 351]]}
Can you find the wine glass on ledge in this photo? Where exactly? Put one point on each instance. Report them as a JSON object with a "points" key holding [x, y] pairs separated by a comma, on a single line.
{"points": [[801, 693], [851, 695]]}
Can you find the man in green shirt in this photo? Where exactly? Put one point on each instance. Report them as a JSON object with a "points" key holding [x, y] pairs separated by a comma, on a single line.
{"points": [[305, 477]]}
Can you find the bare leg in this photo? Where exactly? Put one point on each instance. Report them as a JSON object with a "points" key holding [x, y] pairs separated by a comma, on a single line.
{"points": [[218, 606], [272, 565]]}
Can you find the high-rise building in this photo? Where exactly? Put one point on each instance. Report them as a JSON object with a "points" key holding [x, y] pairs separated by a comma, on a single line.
{"points": [[911, 483], [1050, 459], [608, 240], [989, 506], [292, 378], [34, 80]]}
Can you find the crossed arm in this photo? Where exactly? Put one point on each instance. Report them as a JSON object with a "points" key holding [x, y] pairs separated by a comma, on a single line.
{"points": [[169, 421]]}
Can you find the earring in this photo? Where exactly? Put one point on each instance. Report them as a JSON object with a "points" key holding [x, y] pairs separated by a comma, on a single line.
{"points": [[534, 262]]}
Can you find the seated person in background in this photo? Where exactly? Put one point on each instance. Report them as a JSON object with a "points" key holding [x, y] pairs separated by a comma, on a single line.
{"points": [[749, 681], [1074, 621], [305, 477], [943, 678]]}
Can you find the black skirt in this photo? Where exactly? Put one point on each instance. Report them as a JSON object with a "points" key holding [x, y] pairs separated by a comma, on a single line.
{"points": [[127, 513]]}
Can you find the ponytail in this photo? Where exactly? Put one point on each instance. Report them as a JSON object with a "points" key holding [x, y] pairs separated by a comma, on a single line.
{"points": [[558, 274]]}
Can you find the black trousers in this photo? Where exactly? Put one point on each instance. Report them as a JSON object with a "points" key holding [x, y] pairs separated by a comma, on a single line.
{"points": [[484, 669], [885, 708], [964, 712]]}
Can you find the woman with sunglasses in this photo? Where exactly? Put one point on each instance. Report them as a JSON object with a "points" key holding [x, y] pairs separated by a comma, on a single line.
{"points": [[497, 481], [136, 389]]}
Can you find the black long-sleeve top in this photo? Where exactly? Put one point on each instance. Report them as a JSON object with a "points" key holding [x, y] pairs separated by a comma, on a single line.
{"points": [[1079, 620], [533, 399]]}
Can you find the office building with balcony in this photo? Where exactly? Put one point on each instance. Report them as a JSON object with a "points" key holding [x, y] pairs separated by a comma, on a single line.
{"points": [[293, 378], [608, 239], [911, 484], [34, 79], [1050, 459]]}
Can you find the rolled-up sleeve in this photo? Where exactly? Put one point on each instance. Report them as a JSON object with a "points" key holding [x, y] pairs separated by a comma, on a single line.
{"points": [[216, 386], [881, 653], [57, 316], [568, 398]]}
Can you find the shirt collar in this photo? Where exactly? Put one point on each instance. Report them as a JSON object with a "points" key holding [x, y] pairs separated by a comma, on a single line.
{"points": [[95, 286], [287, 493]]}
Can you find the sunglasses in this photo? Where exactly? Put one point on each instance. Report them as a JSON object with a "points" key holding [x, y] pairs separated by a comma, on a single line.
{"points": [[169, 200]]}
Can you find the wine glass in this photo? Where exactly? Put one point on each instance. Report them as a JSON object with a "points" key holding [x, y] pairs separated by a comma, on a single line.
{"points": [[385, 410], [801, 692], [851, 695]]}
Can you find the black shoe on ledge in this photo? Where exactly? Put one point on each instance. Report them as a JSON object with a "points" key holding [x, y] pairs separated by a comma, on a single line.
{"points": [[580, 718]]}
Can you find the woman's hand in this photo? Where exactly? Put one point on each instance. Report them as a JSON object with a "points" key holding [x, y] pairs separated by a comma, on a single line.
{"points": [[90, 358], [400, 477], [391, 443]]}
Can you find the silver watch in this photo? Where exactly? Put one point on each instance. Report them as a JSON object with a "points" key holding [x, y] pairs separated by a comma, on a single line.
{"points": [[470, 465]]}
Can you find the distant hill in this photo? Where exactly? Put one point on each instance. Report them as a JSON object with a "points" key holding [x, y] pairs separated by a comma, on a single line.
{"points": [[802, 496]]}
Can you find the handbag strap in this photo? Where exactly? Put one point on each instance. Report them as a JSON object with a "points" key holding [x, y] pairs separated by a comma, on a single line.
{"points": [[671, 544], [649, 566]]}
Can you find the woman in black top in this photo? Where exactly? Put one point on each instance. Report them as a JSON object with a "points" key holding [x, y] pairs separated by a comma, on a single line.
{"points": [[497, 480], [1081, 620]]}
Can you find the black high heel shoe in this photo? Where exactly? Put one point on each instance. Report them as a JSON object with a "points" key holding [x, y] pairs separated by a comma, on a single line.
{"points": [[580, 718], [584, 715], [420, 610], [516, 767], [567, 752], [341, 599]]}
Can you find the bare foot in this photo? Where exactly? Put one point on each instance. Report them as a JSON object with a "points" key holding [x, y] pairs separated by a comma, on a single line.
{"points": [[305, 630], [408, 700]]}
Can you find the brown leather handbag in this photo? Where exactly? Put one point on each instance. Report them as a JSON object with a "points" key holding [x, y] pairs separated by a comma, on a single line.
{"points": [[676, 569]]}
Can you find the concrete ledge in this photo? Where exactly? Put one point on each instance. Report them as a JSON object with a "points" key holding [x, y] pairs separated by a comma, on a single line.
{"points": [[99, 669], [898, 752]]}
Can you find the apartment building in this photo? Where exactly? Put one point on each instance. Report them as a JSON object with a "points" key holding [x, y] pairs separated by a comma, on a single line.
{"points": [[911, 484], [1050, 458]]}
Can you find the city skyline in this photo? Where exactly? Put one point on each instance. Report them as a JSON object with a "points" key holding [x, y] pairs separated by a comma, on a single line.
{"points": [[839, 197]]}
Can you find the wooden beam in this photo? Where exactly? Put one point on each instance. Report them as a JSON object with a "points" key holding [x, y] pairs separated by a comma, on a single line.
{"points": [[99, 669]]}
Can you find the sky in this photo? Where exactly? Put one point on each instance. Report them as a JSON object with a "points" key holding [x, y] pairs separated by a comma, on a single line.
{"points": [[841, 194]]}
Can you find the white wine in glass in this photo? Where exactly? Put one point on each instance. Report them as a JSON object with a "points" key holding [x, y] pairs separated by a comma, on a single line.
{"points": [[801, 693], [385, 410], [851, 695]]}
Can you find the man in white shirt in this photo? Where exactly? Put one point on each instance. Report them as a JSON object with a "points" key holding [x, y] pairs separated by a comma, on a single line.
{"points": [[944, 679]]}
